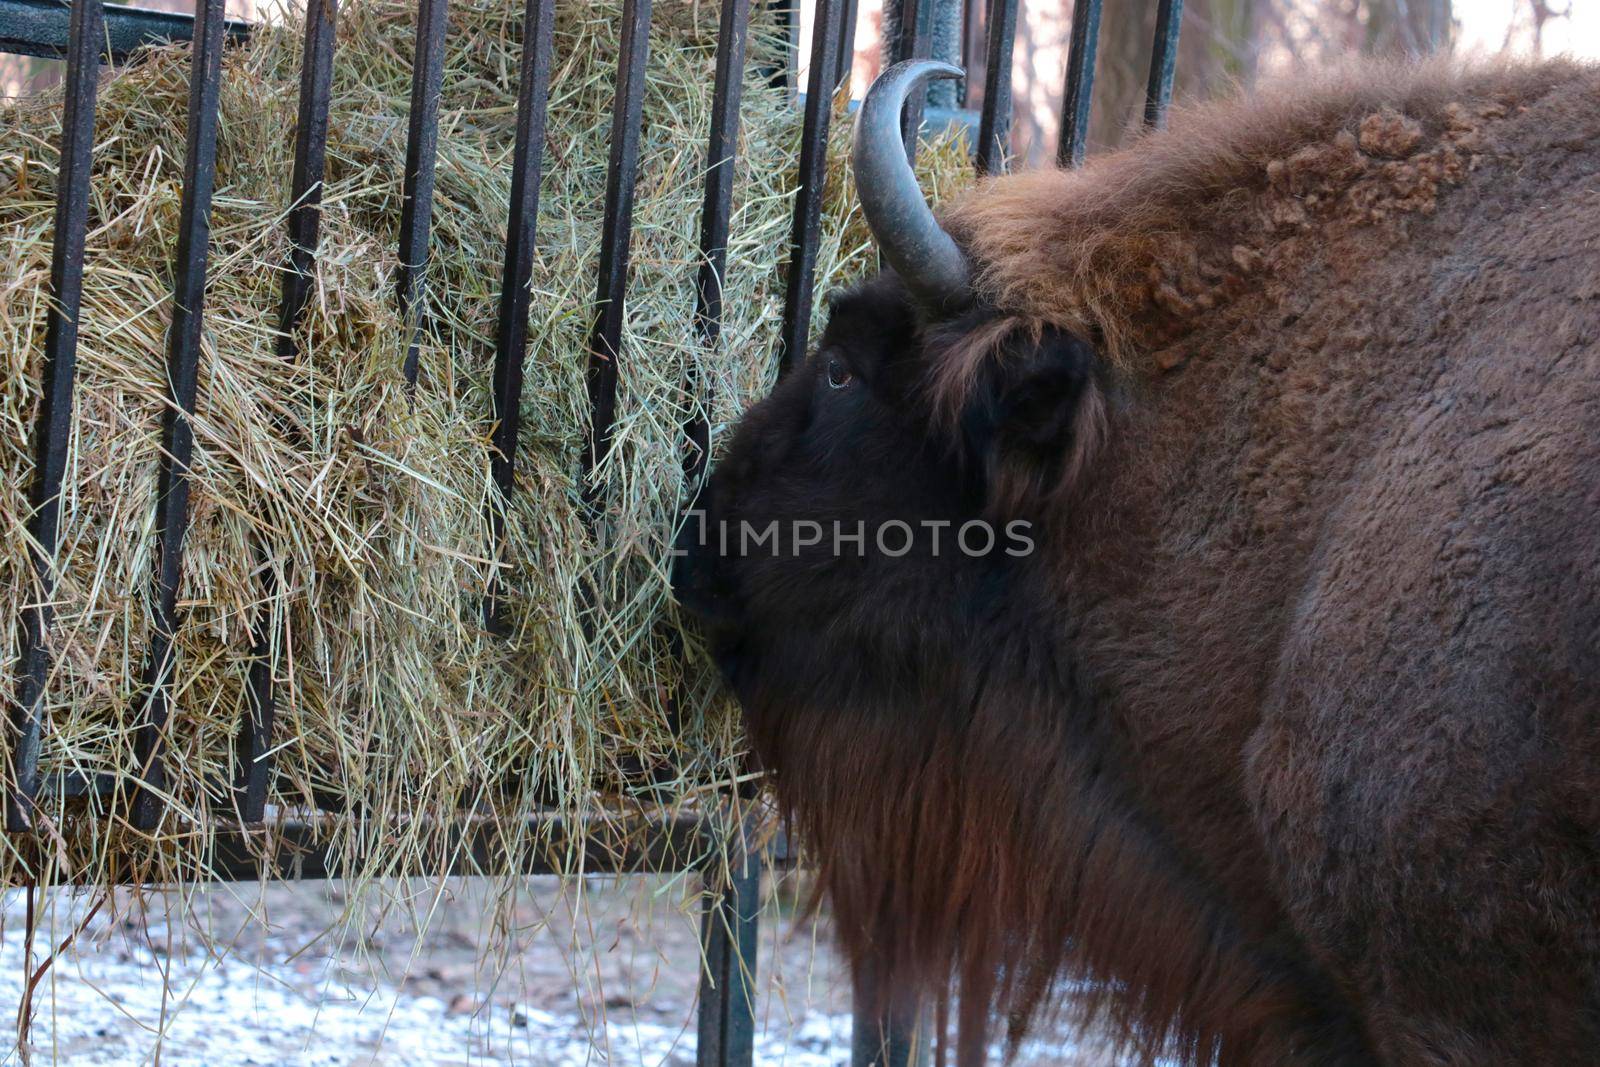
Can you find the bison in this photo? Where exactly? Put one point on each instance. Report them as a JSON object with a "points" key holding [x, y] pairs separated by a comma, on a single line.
{"points": [[1257, 715]]}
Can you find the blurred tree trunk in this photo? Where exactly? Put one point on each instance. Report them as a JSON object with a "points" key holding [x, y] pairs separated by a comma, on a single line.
{"points": [[1409, 27], [1388, 27], [1219, 44], [1036, 79]]}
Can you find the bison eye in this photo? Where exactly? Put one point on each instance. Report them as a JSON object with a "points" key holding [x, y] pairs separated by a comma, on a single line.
{"points": [[838, 373]]}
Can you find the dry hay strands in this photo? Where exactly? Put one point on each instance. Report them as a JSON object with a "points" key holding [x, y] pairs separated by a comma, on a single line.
{"points": [[394, 707]]}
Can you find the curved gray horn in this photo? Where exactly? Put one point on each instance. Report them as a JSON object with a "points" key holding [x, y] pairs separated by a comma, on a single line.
{"points": [[910, 238]]}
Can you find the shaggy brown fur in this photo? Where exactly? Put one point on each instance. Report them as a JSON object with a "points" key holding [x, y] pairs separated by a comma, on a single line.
{"points": [[1287, 738], [1142, 244]]}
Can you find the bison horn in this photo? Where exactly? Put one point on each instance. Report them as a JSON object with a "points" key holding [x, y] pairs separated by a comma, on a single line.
{"points": [[907, 233]]}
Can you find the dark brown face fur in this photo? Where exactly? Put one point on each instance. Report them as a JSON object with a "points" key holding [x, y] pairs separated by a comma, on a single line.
{"points": [[857, 440]]}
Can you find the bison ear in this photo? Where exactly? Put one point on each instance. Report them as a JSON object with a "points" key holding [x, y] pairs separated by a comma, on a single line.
{"points": [[1033, 417]]}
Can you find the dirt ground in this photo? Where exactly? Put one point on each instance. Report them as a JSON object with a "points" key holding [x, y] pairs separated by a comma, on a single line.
{"points": [[603, 972]]}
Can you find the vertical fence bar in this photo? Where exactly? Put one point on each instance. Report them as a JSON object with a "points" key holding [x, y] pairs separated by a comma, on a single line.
{"points": [[909, 36], [253, 746], [786, 15], [971, 50], [310, 156], [605, 339], [53, 432], [422, 142], [1163, 62], [1077, 96], [726, 1024], [796, 335], [177, 432], [511, 336], [728, 931], [913, 39], [994, 127], [889, 1029], [722, 146], [847, 41]]}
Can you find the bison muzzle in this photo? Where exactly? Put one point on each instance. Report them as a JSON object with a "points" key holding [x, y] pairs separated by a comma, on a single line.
{"points": [[1256, 716]]}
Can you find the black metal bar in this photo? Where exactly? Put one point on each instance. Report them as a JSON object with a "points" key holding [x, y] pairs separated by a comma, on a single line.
{"points": [[913, 39], [511, 336], [65, 783], [43, 28], [467, 847], [177, 433], [253, 746], [887, 1043], [1163, 62], [796, 335], [310, 156], [889, 1028], [1079, 91], [422, 142], [994, 129], [728, 938], [53, 433], [722, 147], [605, 339], [903, 26], [847, 41], [785, 73], [776, 852], [726, 1025], [971, 50]]}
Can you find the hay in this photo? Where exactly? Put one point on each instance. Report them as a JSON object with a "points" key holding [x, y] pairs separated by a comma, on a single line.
{"points": [[368, 505]]}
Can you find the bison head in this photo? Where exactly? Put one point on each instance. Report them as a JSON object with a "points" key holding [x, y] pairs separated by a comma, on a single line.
{"points": [[869, 569], [871, 513]]}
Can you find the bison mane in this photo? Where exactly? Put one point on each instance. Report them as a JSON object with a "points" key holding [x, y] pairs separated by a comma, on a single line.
{"points": [[1138, 245]]}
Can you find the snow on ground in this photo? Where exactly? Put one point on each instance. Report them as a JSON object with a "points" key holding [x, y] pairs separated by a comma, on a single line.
{"points": [[609, 982], [102, 1008], [295, 990]]}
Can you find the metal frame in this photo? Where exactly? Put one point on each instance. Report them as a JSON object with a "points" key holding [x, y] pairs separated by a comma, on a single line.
{"points": [[253, 745], [183, 368], [422, 142], [1163, 62], [297, 848], [527, 163], [54, 431], [42, 28], [910, 27], [85, 33], [1076, 97], [813, 176], [605, 340], [994, 133]]}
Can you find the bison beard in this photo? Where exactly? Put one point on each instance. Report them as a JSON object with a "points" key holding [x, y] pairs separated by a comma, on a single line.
{"points": [[1286, 741], [975, 831]]}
